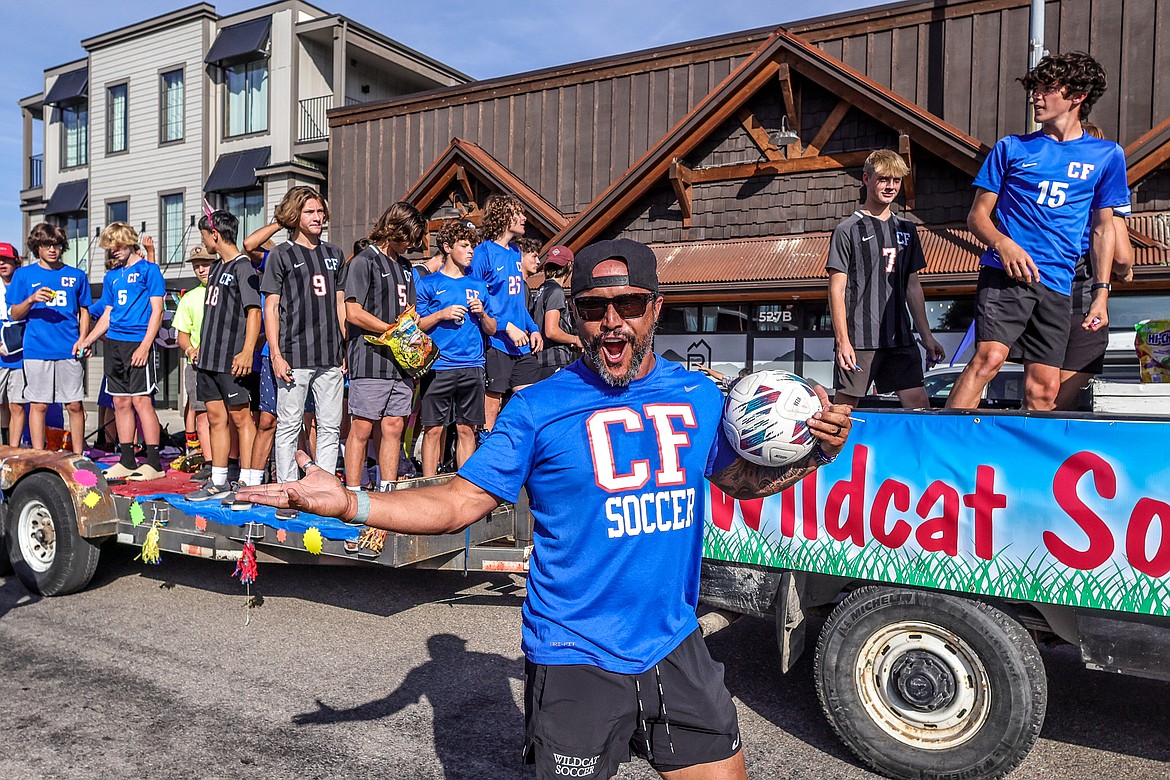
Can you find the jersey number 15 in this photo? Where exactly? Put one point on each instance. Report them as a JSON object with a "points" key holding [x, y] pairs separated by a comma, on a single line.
{"points": [[1052, 194]]}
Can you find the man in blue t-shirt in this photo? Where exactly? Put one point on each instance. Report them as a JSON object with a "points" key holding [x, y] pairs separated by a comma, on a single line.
{"points": [[131, 315], [613, 451], [55, 300], [510, 362], [452, 311], [1043, 188]]}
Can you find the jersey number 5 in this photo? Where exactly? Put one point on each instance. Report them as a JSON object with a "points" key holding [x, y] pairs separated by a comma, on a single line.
{"points": [[1052, 194]]}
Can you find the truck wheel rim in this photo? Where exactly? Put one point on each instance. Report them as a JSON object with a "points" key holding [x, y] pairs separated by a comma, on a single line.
{"points": [[923, 685], [37, 536]]}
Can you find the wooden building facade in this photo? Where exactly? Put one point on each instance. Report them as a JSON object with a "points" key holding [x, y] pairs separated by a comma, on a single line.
{"points": [[734, 157]]}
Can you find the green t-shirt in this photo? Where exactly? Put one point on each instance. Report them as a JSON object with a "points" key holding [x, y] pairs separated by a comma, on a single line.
{"points": [[189, 314]]}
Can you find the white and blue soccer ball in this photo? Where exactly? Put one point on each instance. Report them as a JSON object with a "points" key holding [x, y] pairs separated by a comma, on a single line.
{"points": [[765, 417]]}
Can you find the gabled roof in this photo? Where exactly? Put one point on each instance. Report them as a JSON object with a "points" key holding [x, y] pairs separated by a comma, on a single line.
{"points": [[924, 129], [470, 158], [1149, 152]]}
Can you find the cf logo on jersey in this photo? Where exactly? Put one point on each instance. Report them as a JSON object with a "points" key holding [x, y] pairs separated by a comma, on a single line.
{"points": [[903, 238], [331, 263], [226, 278], [132, 278], [605, 468], [67, 281], [1077, 170]]}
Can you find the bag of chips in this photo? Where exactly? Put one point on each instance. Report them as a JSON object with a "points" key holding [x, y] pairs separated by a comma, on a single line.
{"points": [[414, 351], [1153, 350]]}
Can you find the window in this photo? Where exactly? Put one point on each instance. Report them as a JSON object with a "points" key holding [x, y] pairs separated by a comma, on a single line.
{"points": [[248, 208], [171, 219], [171, 103], [117, 211], [247, 98], [76, 227], [74, 135], [117, 112]]}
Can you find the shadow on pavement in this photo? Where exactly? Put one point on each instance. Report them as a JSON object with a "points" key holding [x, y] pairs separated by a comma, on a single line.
{"points": [[478, 730]]}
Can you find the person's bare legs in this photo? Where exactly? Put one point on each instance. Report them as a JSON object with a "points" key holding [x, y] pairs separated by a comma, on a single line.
{"points": [[36, 425], [203, 431], [728, 769], [989, 357], [491, 408], [356, 442], [432, 444], [220, 434], [845, 398], [1041, 385], [15, 424], [464, 443], [390, 448], [911, 398], [147, 419], [76, 426], [262, 442], [241, 417], [1071, 384]]}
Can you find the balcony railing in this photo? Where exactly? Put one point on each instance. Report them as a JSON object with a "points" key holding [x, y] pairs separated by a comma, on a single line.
{"points": [[314, 126], [36, 171]]}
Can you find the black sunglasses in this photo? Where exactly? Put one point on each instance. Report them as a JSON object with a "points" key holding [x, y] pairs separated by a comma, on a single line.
{"points": [[628, 307]]}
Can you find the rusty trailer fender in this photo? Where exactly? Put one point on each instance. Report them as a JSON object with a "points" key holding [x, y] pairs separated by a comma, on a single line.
{"points": [[100, 519]]}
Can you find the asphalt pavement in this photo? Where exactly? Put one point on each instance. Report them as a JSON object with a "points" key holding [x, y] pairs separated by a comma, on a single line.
{"points": [[164, 672]]}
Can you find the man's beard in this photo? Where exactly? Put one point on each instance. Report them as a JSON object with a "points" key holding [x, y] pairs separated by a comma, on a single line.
{"points": [[638, 349]]}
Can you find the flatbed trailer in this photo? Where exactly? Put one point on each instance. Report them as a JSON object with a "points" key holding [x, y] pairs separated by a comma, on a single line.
{"points": [[58, 511]]}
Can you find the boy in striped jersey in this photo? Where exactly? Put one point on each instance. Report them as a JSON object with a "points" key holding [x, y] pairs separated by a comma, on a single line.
{"points": [[304, 315], [875, 296], [379, 287], [225, 381]]}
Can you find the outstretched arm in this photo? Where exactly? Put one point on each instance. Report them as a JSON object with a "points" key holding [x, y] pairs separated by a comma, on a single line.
{"points": [[436, 509], [745, 480]]}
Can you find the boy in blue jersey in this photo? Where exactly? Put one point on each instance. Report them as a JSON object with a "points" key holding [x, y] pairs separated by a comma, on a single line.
{"points": [[511, 364], [613, 451], [55, 299], [451, 306], [1043, 188], [132, 309]]}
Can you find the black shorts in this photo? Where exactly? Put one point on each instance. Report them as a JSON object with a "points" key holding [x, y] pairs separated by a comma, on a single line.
{"points": [[124, 379], [582, 721], [507, 372], [1031, 316], [455, 394], [890, 369], [1086, 349], [223, 386]]}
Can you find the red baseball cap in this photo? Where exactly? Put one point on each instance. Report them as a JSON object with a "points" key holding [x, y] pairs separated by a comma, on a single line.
{"points": [[8, 252], [558, 257]]}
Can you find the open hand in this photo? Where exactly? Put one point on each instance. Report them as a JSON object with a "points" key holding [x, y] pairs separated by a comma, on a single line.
{"points": [[318, 492]]}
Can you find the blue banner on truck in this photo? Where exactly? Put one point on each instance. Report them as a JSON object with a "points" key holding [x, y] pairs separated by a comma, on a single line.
{"points": [[1072, 511]]}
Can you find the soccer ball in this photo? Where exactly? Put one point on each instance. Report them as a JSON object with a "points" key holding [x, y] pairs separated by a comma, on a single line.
{"points": [[765, 417]]}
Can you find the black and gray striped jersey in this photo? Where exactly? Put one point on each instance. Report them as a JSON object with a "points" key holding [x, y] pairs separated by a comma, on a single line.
{"points": [[307, 281], [878, 257], [233, 287], [385, 288]]}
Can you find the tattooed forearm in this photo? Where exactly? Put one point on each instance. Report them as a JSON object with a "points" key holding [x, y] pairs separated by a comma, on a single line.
{"points": [[745, 480]]}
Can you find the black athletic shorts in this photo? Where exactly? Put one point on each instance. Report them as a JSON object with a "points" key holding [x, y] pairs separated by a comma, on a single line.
{"points": [[1031, 316], [1086, 349], [890, 369], [582, 721], [124, 379], [507, 372], [223, 386], [455, 394]]}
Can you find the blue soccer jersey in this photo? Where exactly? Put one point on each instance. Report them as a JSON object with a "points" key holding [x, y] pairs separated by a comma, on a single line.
{"points": [[52, 327], [127, 292], [460, 344], [499, 268], [1048, 191], [615, 478]]}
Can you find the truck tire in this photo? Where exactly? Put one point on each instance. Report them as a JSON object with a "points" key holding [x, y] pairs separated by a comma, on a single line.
{"points": [[921, 684], [49, 555]]}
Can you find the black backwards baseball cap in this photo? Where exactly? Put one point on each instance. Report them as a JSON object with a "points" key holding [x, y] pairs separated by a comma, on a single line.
{"points": [[641, 266]]}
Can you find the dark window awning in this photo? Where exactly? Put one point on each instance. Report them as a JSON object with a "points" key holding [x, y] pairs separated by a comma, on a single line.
{"points": [[237, 171], [69, 198], [240, 43], [68, 87]]}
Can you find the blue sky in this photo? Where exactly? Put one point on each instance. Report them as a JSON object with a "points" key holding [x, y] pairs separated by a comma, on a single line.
{"points": [[492, 39]]}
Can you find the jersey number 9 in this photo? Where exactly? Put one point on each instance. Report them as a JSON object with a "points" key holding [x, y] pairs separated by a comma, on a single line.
{"points": [[319, 288]]}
